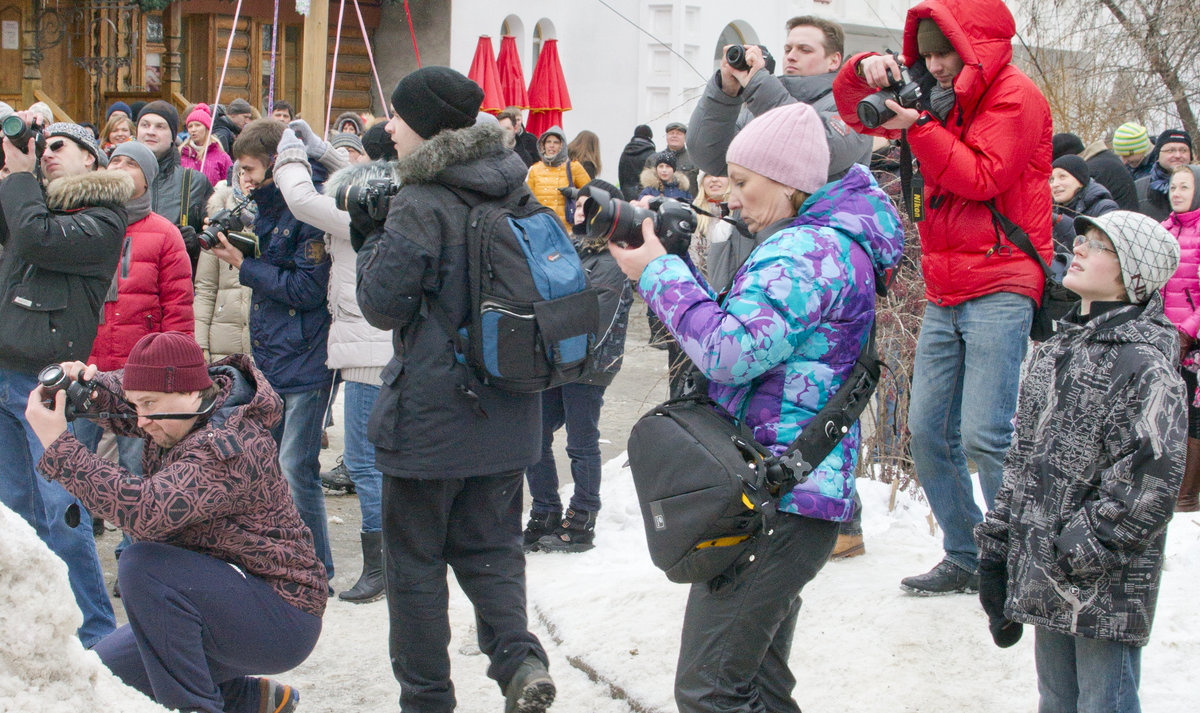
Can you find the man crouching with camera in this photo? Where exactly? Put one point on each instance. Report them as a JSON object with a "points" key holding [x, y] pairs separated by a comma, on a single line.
{"points": [[222, 580]]}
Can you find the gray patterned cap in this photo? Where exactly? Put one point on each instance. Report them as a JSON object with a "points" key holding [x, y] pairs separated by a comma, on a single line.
{"points": [[1148, 254], [79, 135]]}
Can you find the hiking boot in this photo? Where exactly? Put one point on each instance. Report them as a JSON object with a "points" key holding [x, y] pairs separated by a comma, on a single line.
{"points": [[945, 578], [369, 586], [275, 697], [540, 524], [574, 534], [338, 480], [848, 546], [531, 690]]}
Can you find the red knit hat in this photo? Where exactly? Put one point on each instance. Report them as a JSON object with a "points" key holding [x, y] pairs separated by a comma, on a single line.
{"points": [[167, 362]]}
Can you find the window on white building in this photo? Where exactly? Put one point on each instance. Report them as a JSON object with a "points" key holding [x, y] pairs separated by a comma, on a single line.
{"points": [[512, 25], [542, 31]]}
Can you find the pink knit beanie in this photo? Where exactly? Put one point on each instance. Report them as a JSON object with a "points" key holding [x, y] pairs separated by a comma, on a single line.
{"points": [[787, 145], [201, 114]]}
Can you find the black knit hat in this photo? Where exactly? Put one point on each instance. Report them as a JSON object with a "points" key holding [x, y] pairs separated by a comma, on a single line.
{"points": [[1066, 144], [1174, 136], [378, 143], [642, 131], [1074, 165], [435, 98], [667, 157], [166, 111]]}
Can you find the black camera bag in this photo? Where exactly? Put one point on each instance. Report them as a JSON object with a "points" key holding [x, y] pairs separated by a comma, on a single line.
{"points": [[708, 490], [1057, 300]]}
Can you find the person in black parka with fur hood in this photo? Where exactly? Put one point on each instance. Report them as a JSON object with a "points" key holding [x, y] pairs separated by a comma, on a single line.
{"points": [[453, 455]]}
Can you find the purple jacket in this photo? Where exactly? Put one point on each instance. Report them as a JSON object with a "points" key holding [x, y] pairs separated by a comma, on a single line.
{"points": [[792, 326]]}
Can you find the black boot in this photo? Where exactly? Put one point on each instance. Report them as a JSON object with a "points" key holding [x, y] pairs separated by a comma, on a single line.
{"points": [[338, 480], [574, 534], [540, 524], [369, 586]]}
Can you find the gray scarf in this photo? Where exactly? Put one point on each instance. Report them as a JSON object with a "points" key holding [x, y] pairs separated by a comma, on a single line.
{"points": [[941, 101]]}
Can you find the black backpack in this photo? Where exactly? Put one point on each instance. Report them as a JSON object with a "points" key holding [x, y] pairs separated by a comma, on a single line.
{"points": [[532, 318]]}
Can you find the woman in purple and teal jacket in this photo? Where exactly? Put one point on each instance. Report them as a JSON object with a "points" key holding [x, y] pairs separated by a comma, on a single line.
{"points": [[774, 350]]}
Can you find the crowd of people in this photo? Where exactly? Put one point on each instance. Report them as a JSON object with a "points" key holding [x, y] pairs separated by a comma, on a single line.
{"points": [[212, 286]]}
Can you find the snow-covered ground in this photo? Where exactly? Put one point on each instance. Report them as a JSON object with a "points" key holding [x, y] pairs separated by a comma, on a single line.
{"points": [[861, 644]]}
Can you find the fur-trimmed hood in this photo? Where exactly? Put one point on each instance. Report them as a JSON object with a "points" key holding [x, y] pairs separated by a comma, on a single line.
{"points": [[95, 188], [478, 158], [650, 179], [358, 174]]}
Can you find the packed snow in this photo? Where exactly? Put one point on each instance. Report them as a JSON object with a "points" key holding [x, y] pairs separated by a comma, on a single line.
{"points": [[610, 622]]}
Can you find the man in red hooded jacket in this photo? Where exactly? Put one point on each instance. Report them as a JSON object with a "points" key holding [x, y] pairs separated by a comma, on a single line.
{"points": [[981, 132]]}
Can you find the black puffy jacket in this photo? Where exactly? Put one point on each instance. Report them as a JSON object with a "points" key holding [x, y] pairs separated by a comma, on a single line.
{"points": [[60, 255], [423, 425]]}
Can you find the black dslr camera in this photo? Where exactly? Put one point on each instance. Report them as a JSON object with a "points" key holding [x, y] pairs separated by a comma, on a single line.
{"points": [[79, 391], [372, 200], [230, 221], [620, 222], [736, 57], [19, 133], [873, 110]]}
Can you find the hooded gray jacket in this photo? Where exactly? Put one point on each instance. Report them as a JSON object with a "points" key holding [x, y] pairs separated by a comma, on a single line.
{"points": [[718, 117], [1091, 478], [423, 424]]}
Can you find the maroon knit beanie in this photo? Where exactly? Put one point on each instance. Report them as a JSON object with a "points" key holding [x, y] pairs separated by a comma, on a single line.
{"points": [[167, 362]]}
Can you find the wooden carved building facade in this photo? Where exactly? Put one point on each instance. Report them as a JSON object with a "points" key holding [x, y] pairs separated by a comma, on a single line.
{"points": [[78, 56]]}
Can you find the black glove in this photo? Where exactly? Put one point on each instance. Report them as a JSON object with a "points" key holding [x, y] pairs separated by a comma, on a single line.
{"points": [[189, 239], [993, 590]]}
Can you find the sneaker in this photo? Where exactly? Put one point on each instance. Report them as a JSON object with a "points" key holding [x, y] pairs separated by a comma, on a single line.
{"points": [[540, 524], [338, 480], [945, 578], [531, 690], [848, 546], [275, 697], [575, 533]]}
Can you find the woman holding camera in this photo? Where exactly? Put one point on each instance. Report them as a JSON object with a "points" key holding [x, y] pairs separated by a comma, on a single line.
{"points": [[779, 344]]}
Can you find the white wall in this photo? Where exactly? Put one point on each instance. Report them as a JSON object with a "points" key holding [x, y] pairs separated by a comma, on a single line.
{"points": [[619, 77]]}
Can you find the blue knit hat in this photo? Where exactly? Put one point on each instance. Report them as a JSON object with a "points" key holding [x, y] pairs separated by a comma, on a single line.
{"points": [[117, 106]]}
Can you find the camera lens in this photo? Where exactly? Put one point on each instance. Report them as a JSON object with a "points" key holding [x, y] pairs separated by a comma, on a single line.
{"points": [[736, 57], [873, 110], [53, 377], [12, 125]]}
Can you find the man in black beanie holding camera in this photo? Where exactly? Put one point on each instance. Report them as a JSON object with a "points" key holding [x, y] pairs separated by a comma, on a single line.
{"points": [[453, 457]]}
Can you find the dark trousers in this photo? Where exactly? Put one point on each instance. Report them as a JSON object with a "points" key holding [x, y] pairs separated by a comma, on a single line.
{"points": [[473, 525], [198, 627], [737, 632], [577, 406]]}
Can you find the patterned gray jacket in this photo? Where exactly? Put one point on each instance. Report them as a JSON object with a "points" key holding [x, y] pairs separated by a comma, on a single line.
{"points": [[1091, 478]]}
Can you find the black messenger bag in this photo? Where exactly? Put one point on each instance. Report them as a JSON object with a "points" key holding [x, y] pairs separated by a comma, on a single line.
{"points": [[708, 490]]}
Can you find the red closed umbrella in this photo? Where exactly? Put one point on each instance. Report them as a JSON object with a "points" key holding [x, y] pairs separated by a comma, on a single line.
{"points": [[548, 96], [512, 79], [485, 73]]}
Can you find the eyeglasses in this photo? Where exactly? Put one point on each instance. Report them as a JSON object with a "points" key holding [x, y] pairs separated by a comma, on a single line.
{"points": [[1091, 244], [55, 146]]}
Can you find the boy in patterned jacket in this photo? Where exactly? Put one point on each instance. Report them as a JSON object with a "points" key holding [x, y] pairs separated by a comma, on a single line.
{"points": [[1074, 544]]}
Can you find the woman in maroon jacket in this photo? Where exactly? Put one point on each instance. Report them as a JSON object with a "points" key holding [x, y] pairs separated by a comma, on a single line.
{"points": [[222, 580]]}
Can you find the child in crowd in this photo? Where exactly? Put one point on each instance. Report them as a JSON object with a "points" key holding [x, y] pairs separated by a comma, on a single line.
{"points": [[663, 181], [577, 406], [1074, 542]]}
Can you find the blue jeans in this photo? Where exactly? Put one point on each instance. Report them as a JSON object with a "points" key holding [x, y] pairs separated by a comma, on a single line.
{"points": [[577, 406], [129, 456], [359, 454], [44, 504], [964, 395], [299, 439], [1077, 675]]}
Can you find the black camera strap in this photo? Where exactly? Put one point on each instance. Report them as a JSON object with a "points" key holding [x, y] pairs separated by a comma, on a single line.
{"points": [[911, 182], [1016, 235]]}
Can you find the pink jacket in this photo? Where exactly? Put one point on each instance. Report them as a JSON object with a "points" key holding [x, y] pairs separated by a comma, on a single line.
{"points": [[216, 166], [1182, 292]]}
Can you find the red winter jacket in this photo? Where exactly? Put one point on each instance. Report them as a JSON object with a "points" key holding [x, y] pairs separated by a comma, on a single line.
{"points": [[154, 292], [994, 144]]}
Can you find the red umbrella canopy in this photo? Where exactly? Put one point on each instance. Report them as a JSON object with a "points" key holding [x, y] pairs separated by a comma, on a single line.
{"points": [[512, 79], [485, 73], [548, 96]]}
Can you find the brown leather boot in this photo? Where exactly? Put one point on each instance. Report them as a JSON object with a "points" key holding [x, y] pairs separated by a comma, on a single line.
{"points": [[848, 546], [1189, 491]]}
